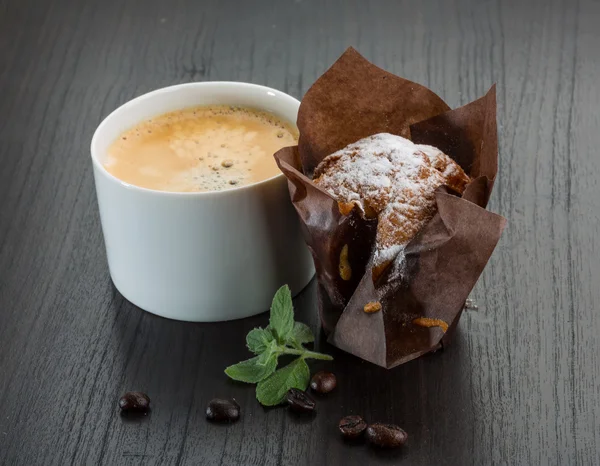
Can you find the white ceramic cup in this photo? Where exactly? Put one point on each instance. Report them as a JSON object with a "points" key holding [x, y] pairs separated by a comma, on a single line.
{"points": [[206, 256]]}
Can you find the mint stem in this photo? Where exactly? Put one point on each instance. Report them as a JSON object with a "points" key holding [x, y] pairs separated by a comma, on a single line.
{"points": [[306, 354], [298, 346]]}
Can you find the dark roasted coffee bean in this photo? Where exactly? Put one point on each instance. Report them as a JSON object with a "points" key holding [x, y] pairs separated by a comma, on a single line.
{"points": [[352, 426], [386, 435], [223, 410], [300, 401], [134, 402], [323, 382]]}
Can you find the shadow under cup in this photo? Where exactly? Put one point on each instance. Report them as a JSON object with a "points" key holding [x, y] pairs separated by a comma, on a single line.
{"points": [[206, 256]]}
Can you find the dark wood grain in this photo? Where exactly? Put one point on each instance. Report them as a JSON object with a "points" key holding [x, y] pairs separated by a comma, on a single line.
{"points": [[520, 385]]}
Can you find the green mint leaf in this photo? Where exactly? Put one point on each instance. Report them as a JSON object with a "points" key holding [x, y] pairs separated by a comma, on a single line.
{"points": [[258, 340], [272, 390], [253, 370], [281, 321], [302, 333]]}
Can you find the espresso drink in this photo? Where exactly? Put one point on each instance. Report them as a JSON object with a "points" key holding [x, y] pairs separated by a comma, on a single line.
{"points": [[207, 148]]}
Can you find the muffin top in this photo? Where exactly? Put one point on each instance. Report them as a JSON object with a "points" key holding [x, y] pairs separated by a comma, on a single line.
{"points": [[393, 179]]}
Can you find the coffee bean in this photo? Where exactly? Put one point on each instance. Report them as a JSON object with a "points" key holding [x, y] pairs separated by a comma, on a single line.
{"points": [[386, 435], [352, 426], [300, 401], [134, 402], [323, 382], [223, 410]]}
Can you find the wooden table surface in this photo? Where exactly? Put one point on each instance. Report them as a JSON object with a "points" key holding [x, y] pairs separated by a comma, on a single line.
{"points": [[519, 386]]}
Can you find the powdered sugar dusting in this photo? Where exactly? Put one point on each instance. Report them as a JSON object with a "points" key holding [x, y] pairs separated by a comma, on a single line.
{"points": [[452, 172], [394, 179]]}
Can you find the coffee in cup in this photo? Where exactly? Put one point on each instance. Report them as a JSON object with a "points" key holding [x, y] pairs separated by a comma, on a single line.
{"points": [[196, 149]]}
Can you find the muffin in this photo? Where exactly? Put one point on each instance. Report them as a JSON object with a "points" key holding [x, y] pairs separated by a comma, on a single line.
{"points": [[391, 188]]}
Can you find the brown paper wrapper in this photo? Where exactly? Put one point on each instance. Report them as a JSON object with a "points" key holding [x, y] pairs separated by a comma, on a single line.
{"points": [[355, 99]]}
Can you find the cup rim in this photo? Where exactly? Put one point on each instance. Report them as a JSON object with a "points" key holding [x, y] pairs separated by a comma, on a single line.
{"points": [[148, 95]]}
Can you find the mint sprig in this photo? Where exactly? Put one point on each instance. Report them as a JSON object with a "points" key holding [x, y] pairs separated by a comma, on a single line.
{"points": [[282, 336]]}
